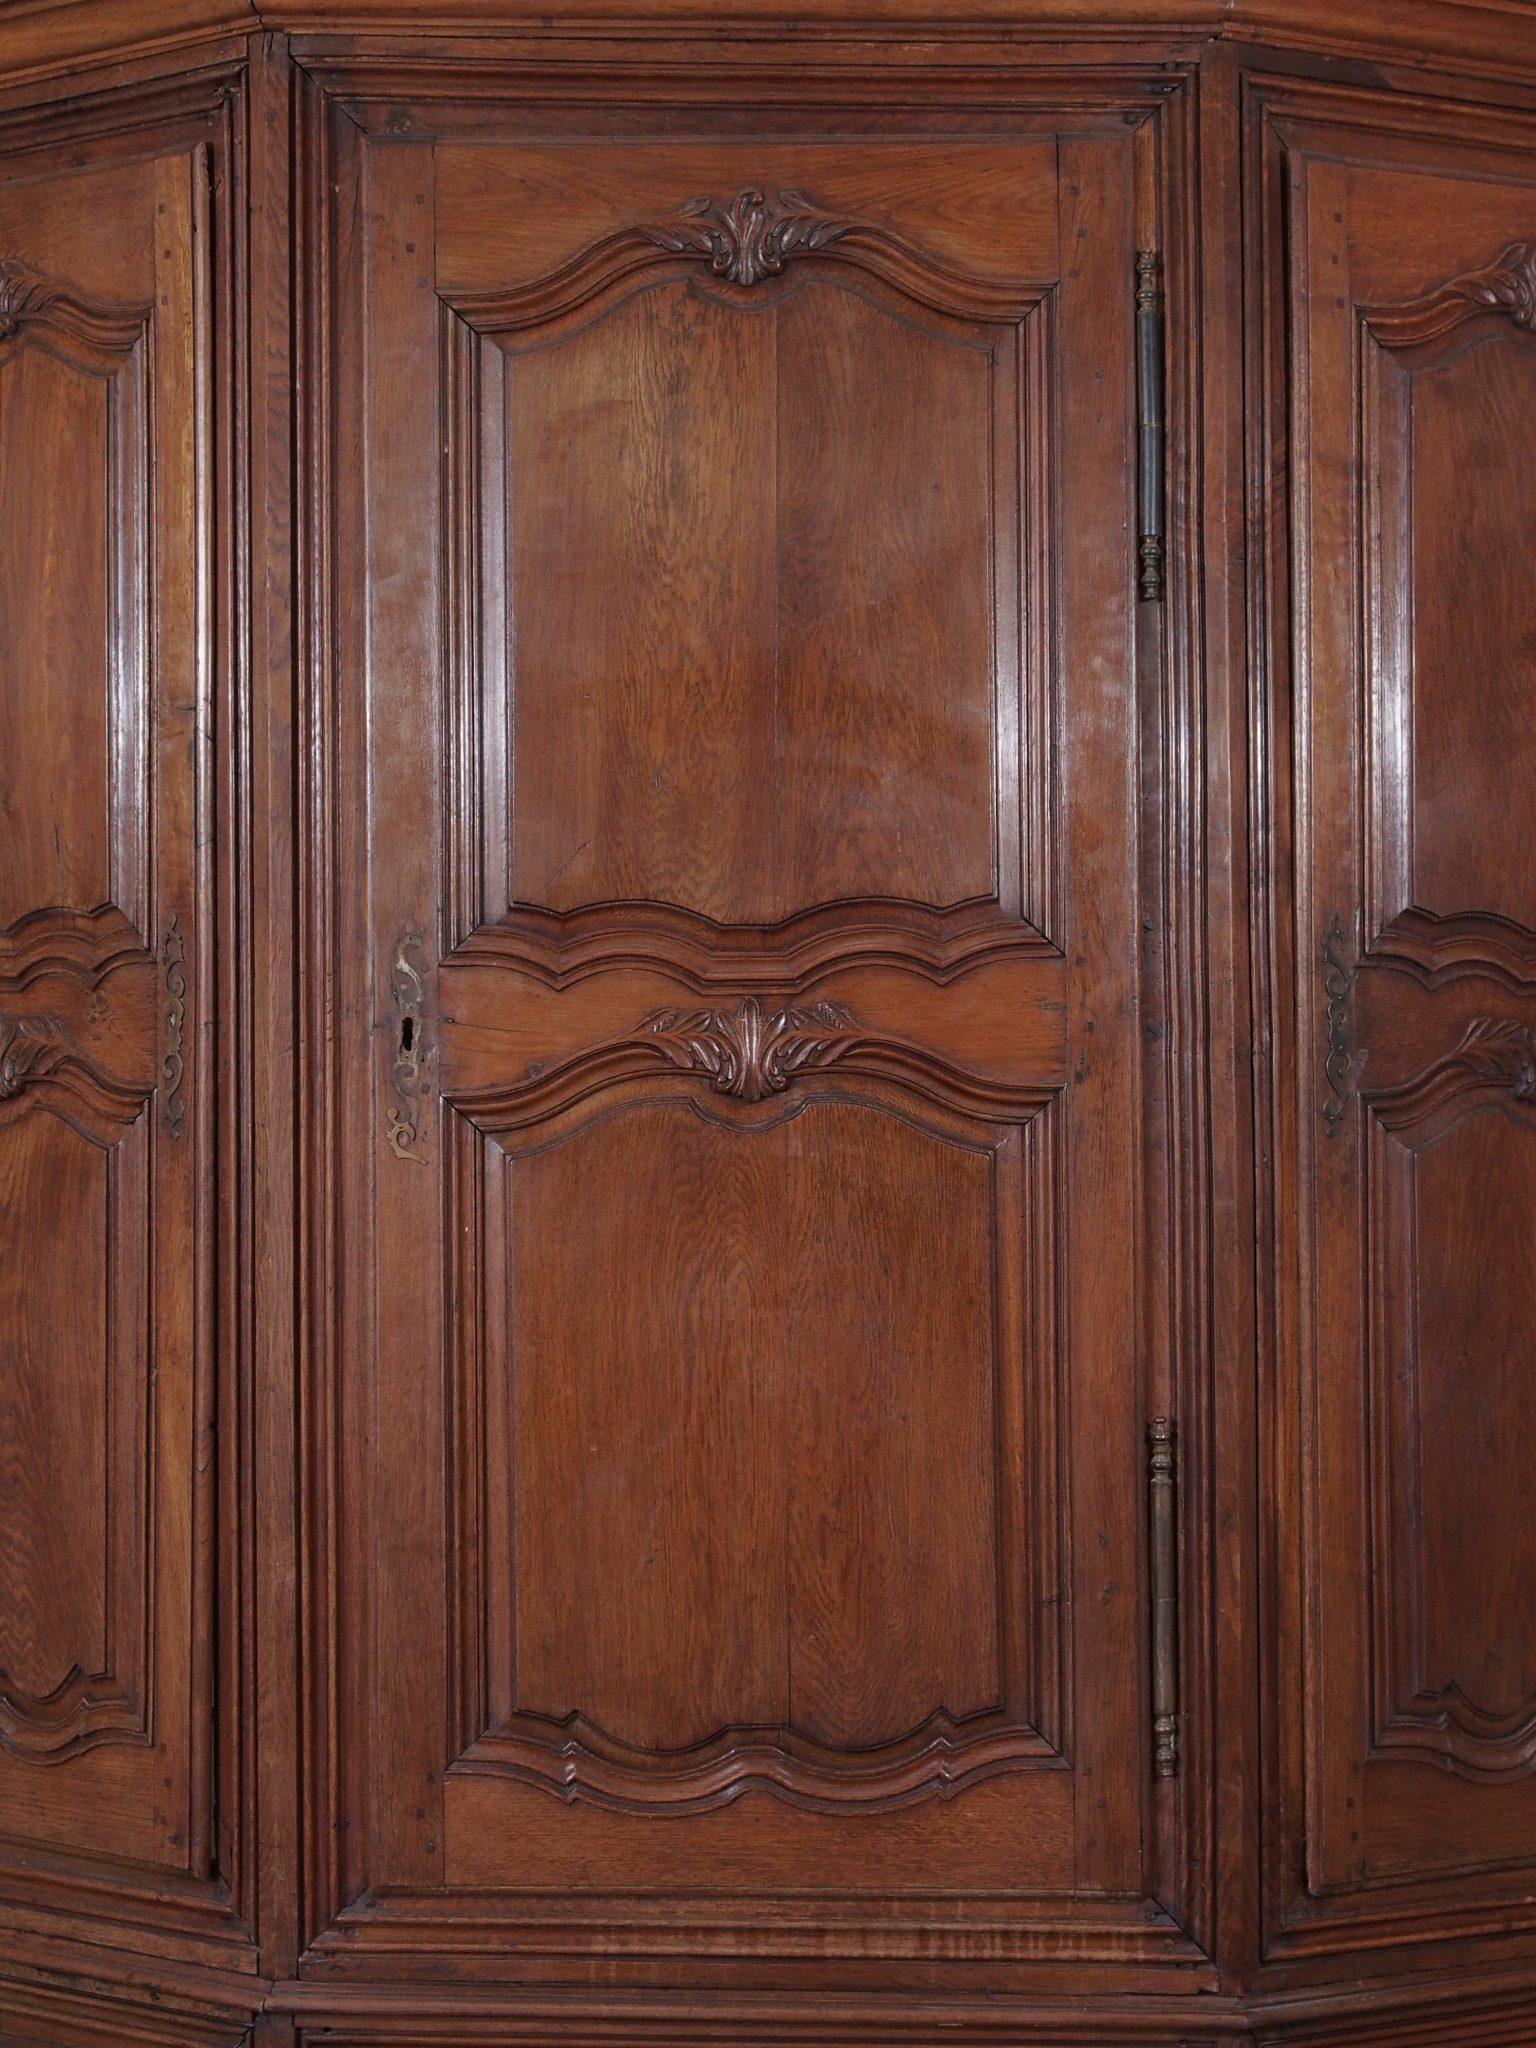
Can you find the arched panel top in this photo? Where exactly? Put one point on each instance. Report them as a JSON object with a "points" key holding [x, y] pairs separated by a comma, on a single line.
{"points": [[744, 1059], [1492, 1066], [1497, 299], [742, 245], [45, 311], [734, 530]]}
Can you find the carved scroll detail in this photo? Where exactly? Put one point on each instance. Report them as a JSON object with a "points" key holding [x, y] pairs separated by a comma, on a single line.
{"points": [[1499, 1050], [749, 1054], [752, 1052], [55, 968], [31, 298], [409, 993], [1336, 1063], [748, 237], [173, 953], [81, 1711], [1494, 1057], [1505, 287], [31, 1049], [43, 1064]]}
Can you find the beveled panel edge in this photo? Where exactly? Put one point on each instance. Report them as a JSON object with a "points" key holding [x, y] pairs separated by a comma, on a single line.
{"points": [[1436, 947], [560, 948], [736, 246], [36, 306], [83, 1710], [575, 1759]]}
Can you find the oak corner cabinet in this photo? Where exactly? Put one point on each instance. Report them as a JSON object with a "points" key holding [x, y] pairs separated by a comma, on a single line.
{"points": [[767, 1024]]}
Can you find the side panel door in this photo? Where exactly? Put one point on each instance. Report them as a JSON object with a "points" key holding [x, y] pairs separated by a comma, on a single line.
{"points": [[1408, 1309], [106, 942]]}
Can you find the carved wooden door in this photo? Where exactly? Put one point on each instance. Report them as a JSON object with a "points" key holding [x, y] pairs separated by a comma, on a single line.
{"points": [[740, 810], [106, 916], [1407, 1331]]}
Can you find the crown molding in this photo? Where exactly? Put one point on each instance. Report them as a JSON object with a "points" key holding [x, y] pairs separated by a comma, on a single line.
{"points": [[42, 38], [1480, 38]]}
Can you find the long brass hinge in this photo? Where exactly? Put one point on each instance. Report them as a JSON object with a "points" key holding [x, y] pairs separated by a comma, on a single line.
{"points": [[1162, 1489], [1150, 431]]}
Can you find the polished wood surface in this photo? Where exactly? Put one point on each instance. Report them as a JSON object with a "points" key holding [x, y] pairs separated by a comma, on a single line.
{"points": [[764, 1260]]}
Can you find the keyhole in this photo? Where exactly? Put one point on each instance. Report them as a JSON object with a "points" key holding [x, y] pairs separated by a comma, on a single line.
{"points": [[407, 1034]]}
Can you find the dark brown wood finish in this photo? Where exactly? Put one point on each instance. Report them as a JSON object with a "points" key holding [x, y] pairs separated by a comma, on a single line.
{"points": [[763, 1265], [1403, 1313], [755, 997]]}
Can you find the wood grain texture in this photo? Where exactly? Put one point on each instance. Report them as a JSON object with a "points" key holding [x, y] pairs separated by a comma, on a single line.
{"points": [[644, 1019]]}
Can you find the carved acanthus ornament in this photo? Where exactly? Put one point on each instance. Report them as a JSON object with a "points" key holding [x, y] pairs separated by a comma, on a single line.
{"points": [[1493, 1063], [752, 1052], [749, 237], [31, 1049], [1496, 1052], [1507, 286], [30, 297], [24, 294]]}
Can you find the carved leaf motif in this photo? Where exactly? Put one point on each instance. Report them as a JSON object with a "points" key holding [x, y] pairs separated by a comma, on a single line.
{"points": [[24, 294], [1499, 1050], [1507, 286], [748, 237], [751, 1052], [1495, 1056], [29, 295], [31, 1048]]}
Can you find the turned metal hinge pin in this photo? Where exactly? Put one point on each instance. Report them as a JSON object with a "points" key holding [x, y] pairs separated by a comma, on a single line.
{"points": [[1162, 1482], [1150, 430]]}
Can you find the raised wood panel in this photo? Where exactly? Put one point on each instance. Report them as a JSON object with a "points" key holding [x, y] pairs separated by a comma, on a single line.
{"points": [[74, 462], [78, 1031], [1451, 1166], [680, 433], [780, 500], [876, 1615], [1448, 383]]}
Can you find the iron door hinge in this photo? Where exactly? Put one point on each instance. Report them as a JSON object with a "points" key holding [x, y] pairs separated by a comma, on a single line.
{"points": [[1163, 1577], [1150, 431]]}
